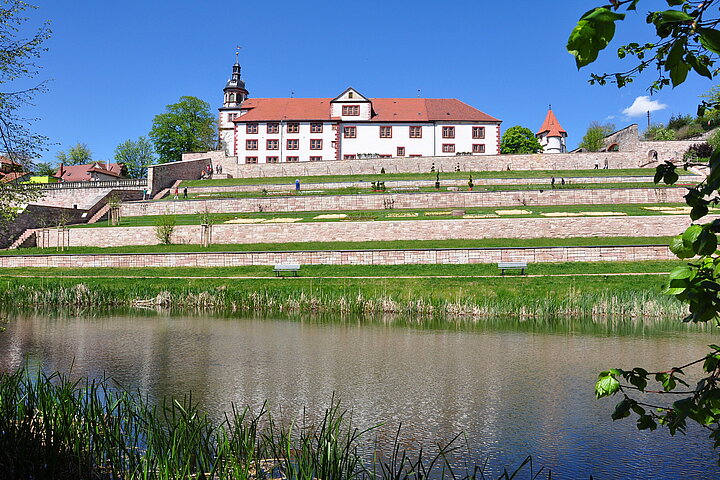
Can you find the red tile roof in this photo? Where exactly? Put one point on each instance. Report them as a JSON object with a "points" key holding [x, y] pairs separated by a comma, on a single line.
{"points": [[81, 173], [9, 177], [386, 110], [551, 126]]}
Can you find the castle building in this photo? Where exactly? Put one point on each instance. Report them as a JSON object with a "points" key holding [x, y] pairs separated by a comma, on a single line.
{"points": [[349, 126], [551, 134]]}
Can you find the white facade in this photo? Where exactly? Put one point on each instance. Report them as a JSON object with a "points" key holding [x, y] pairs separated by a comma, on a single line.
{"points": [[351, 126]]}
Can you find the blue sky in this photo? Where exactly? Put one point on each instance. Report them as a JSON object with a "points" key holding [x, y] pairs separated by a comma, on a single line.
{"points": [[112, 66]]}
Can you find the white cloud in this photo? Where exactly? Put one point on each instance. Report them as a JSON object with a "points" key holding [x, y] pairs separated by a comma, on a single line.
{"points": [[642, 105]]}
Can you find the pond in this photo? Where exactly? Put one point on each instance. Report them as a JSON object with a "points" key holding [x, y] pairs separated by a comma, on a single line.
{"points": [[515, 390]]}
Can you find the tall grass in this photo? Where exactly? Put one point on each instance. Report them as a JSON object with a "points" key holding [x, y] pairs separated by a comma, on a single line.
{"points": [[54, 428], [475, 303]]}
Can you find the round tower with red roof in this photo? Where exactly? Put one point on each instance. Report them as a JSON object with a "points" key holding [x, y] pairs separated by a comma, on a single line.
{"points": [[551, 134]]}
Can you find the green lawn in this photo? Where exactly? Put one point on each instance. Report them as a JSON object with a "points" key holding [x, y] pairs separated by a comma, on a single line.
{"points": [[391, 214], [647, 172], [562, 268], [399, 244], [443, 188]]}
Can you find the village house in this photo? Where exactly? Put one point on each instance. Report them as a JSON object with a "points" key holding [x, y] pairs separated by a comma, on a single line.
{"points": [[89, 172], [349, 126]]}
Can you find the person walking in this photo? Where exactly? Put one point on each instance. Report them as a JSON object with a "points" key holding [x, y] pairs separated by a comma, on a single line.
{"points": [[552, 182], [185, 193], [297, 184], [177, 193]]}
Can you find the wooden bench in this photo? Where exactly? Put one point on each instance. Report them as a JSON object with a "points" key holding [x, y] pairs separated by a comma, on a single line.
{"points": [[512, 266], [287, 267]]}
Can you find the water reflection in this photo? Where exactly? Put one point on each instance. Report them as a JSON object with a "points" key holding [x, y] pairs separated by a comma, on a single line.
{"points": [[516, 388]]}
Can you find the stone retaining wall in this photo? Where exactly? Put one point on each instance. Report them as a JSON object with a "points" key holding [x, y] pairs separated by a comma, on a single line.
{"points": [[421, 200], [647, 226], [462, 183], [346, 257], [640, 156]]}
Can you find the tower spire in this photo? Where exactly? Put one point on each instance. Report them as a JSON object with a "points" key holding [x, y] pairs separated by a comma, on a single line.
{"points": [[235, 92]]}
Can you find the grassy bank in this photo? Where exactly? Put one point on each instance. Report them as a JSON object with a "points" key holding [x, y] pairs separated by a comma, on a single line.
{"points": [[542, 186], [325, 246], [407, 214], [53, 427], [429, 176], [478, 298]]}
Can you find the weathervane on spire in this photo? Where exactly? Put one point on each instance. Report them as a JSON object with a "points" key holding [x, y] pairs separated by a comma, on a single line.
{"points": [[237, 52]]}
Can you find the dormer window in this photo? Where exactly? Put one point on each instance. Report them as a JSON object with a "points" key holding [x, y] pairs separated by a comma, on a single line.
{"points": [[351, 110]]}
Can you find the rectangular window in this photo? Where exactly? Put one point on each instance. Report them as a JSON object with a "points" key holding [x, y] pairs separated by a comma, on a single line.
{"points": [[316, 127], [273, 128], [293, 128], [293, 144], [385, 132], [349, 157], [251, 128], [448, 148], [478, 148], [351, 110], [250, 159], [415, 132], [448, 132], [315, 144], [271, 159], [478, 132], [292, 159], [349, 132], [231, 116], [400, 151], [273, 144], [251, 144], [315, 159]]}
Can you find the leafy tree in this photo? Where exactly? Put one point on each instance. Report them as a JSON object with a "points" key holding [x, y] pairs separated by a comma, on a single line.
{"points": [[594, 138], [676, 122], [17, 69], [187, 126], [519, 139], [687, 39], [45, 168], [135, 156], [78, 154], [659, 132]]}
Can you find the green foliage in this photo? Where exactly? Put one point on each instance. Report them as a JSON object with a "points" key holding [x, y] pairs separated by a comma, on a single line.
{"points": [[186, 126], [19, 49], [659, 132], [594, 138], [687, 40], [45, 168], [136, 156], [519, 139], [698, 152], [164, 228], [78, 154], [676, 122], [714, 140]]}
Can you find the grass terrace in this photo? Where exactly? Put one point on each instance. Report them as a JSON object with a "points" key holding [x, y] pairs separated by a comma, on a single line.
{"points": [[429, 176], [443, 188], [325, 246], [412, 214]]}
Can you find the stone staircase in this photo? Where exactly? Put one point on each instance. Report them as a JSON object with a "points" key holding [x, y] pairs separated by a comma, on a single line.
{"points": [[22, 238], [99, 214]]}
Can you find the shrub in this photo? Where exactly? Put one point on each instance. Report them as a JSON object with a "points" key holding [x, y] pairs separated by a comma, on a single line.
{"points": [[688, 131], [164, 228], [659, 133], [714, 139], [679, 121], [698, 151]]}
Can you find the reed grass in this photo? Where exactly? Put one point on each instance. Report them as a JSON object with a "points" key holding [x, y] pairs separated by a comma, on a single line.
{"points": [[52, 427], [421, 298]]}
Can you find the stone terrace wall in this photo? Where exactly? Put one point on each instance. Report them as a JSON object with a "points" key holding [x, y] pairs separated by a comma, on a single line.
{"points": [[35, 216], [568, 161], [462, 183], [565, 227], [409, 200], [346, 257], [165, 174]]}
